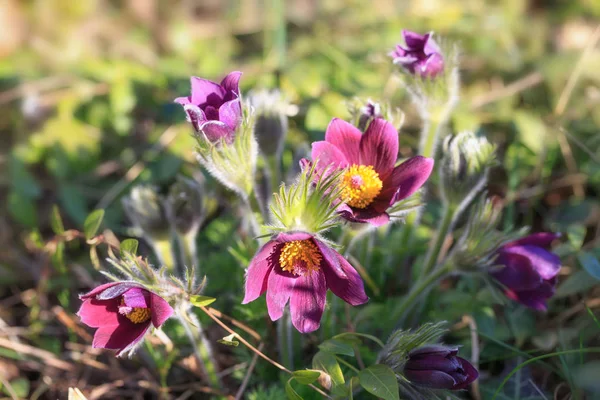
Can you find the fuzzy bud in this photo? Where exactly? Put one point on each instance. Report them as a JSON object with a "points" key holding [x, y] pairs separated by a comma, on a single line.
{"points": [[145, 209], [420, 55], [186, 201], [363, 112]]}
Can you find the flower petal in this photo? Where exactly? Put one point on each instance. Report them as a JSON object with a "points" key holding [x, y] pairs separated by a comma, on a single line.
{"points": [[258, 272], [363, 215], [215, 130], [435, 349], [285, 237], [431, 379], [194, 115], [536, 299], [540, 239], [110, 290], [308, 301], [205, 92], [280, 286], [161, 310], [345, 137], [96, 313], [413, 40], [231, 114], [120, 337], [518, 272], [231, 84], [137, 297], [183, 100], [342, 278], [326, 154], [545, 263], [379, 146], [469, 371]]}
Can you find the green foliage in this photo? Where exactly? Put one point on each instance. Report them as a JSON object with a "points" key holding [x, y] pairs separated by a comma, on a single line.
{"points": [[381, 381]]}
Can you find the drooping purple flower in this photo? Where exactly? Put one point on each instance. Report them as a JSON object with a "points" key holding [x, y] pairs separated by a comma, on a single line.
{"points": [[214, 109], [529, 270], [299, 268], [123, 312], [421, 56], [439, 367], [371, 182]]}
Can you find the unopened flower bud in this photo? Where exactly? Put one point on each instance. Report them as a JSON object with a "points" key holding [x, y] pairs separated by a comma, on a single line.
{"points": [[420, 56], [186, 201], [145, 209], [464, 167], [363, 112]]}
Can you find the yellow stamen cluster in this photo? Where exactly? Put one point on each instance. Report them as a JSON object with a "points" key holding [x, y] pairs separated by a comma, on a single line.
{"points": [[360, 185], [300, 257], [139, 315]]}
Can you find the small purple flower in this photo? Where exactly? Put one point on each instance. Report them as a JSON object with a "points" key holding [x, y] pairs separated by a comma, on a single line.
{"points": [[214, 109], [371, 183], [298, 267], [438, 367], [529, 272], [421, 56], [123, 312]]}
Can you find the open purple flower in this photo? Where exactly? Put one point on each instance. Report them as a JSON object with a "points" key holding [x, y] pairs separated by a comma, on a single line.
{"points": [[529, 270], [438, 367], [123, 312], [298, 267], [214, 109], [371, 182], [421, 56]]}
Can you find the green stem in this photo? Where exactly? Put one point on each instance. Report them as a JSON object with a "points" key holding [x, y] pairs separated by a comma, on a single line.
{"points": [[201, 345], [187, 244], [164, 252], [429, 138], [254, 208], [442, 232], [285, 340]]}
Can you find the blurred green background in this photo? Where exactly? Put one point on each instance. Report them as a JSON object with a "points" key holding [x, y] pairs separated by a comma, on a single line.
{"points": [[86, 92]]}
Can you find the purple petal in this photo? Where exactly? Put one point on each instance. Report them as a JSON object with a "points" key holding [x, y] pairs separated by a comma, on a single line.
{"points": [[435, 349], [161, 310], [285, 237], [120, 337], [545, 263], [109, 290], [183, 100], [432, 362], [431, 46], [258, 272], [364, 215], [195, 115], [536, 298], [540, 239], [404, 180], [217, 130], [470, 372], [205, 92], [231, 84], [96, 313], [280, 287], [379, 146], [431, 379], [308, 301], [231, 114], [137, 297], [518, 273], [342, 278], [413, 40], [326, 154], [345, 137], [432, 65]]}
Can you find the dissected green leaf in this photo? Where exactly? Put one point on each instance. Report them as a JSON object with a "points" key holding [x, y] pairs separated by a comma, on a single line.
{"points": [[200, 301], [92, 223], [327, 363], [306, 376], [380, 381], [290, 392], [129, 246], [56, 222]]}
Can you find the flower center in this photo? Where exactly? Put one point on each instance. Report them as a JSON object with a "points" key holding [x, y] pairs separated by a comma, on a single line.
{"points": [[360, 184], [137, 315], [300, 257]]}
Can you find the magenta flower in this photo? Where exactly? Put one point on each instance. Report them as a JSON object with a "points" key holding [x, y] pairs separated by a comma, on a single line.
{"points": [[298, 267], [439, 367], [421, 56], [214, 109], [123, 312], [371, 182], [529, 272]]}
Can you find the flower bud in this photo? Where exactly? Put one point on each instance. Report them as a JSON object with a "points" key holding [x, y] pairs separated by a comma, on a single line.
{"points": [[272, 111], [464, 167], [438, 367], [420, 56], [186, 202], [145, 209], [363, 112]]}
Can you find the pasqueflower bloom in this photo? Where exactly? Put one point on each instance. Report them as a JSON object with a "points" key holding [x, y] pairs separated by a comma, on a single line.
{"points": [[438, 367], [371, 183], [421, 56], [529, 270], [214, 109], [123, 312], [298, 267]]}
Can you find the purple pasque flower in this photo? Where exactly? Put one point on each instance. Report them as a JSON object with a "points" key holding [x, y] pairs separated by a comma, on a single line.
{"points": [[421, 56], [371, 182], [529, 270], [214, 108], [298, 267], [438, 367], [123, 312]]}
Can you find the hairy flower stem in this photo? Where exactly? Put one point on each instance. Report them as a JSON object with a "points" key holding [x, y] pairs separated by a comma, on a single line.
{"points": [[164, 252], [285, 340], [187, 246], [201, 345], [442, 231], [254, 208]]}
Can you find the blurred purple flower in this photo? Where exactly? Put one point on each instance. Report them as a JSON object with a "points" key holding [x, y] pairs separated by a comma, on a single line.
{"points": [[123, 312], [298, 267], [421, 56], [438, 367], [530, 270], [371, 182], [214, 109]]}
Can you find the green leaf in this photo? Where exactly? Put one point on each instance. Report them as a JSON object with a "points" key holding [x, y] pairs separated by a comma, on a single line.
{"points": [[590, 264], [291, 393], [327, 362], [337, 346], [576, 235], [380, 381], [92, 223], [129, 246], [200, 301], [229, 341], [56, 222], [579, 282], [20, 386], [306, 376]]}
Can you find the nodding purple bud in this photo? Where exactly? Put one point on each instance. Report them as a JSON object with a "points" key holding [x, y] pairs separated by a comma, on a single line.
{"points": [[420, 56]]}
